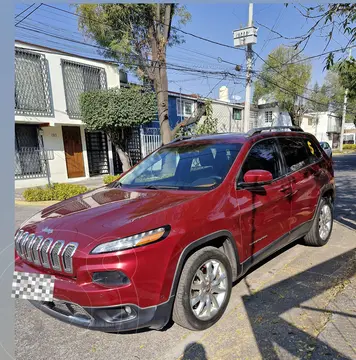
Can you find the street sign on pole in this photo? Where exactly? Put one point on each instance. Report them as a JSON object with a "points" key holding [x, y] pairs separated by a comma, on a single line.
{"points": [[245, 36]]}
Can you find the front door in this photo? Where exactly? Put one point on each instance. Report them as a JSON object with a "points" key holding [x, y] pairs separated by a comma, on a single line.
{"points": [[73, 151], [264, 211]]}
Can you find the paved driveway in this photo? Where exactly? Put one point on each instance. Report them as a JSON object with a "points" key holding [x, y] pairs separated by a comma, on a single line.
{"points": [[281, 310]]}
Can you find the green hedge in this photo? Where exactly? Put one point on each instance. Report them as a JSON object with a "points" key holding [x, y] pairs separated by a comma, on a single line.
{"points": [[349, 147], [110, 178], [54, 192]]}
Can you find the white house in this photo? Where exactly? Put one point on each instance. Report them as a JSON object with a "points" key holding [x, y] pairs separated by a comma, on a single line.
{"points": [[350, 133], [50, 138], [325, 126], [230, 114], [270, 114]]}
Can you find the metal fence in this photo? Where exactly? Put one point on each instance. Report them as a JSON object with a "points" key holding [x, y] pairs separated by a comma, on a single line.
{"points": [[150, 141], [32, 84], [32, 163], [79, 78]]}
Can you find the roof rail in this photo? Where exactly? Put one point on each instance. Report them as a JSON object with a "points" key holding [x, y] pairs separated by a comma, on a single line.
{"points": [[271, 128]]}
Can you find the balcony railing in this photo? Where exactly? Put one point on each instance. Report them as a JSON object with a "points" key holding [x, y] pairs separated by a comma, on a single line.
{"points": [[32, 84]]}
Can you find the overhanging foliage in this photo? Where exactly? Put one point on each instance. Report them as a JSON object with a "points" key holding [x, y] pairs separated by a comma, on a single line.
{"points": [[112, 109]]}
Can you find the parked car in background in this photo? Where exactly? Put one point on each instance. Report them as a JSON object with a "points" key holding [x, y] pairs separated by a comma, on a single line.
{"points": [[327, 148], [169, 237]]}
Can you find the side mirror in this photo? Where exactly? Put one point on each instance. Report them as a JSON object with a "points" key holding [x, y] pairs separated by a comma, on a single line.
{"points": [[256, 178]]}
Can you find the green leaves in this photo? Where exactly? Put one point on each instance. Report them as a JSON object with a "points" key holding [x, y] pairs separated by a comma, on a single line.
{"points": [[108, 110], [347, 73], [283, 77]]}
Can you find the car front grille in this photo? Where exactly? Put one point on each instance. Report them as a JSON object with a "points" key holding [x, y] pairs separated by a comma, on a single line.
{"points": [[45, 252]]}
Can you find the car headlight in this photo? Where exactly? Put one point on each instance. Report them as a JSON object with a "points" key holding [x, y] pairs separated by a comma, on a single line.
{"points": [[132, 241]]}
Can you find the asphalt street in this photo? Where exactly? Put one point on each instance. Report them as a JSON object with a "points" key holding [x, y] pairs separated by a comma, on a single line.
{"points": [[287, 308]]}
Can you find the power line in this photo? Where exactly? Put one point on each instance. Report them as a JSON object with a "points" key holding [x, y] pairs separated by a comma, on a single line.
{"points": [[173, 27], [292, 93], [27, 8], [20, 21], [274, 25]]}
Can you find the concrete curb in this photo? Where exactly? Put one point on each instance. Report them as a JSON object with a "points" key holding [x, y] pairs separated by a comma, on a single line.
{"points": [[35, 203]]}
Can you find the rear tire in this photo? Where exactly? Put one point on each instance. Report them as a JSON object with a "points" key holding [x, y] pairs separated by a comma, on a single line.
{"points": [[195, 283], [322, 227]]}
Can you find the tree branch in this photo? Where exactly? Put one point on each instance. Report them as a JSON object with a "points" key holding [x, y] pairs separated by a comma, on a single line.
{"points": [[189, 121]]}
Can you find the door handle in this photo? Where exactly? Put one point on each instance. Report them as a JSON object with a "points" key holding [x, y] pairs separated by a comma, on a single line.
{"points": [[285, 189]]}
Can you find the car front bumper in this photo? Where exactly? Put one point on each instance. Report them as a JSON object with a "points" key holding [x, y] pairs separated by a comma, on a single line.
{"points": [[108, 319]]}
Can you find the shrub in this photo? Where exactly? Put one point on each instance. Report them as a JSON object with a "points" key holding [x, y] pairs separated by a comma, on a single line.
{"points": [[349, 147], [110, 178], [53, 192]]}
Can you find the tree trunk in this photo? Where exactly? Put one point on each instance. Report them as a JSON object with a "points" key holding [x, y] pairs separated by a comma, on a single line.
{"points": [[118, 138], [293, 118], [124, 158], [161, 87]]}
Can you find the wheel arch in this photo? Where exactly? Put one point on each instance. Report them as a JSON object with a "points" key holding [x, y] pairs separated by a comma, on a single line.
{"points": [[222, 240]]}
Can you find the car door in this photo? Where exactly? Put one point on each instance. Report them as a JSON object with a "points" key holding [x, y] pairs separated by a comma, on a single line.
{"points": [[265, 210], [302, 158]]}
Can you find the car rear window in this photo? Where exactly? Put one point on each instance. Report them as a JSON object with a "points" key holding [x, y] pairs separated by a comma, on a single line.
{"points": [[313, 150], [295, 153], [299, 152]]}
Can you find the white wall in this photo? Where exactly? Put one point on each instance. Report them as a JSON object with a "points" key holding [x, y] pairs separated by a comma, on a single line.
{"points": [[279, 118], [320, 125], [224, 114], [57, 85], [52, 134]]}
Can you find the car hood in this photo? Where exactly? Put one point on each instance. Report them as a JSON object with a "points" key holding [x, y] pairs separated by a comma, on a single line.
{"points": [[104, 210]]}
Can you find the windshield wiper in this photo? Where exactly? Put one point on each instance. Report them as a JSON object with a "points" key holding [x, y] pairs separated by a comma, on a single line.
{"points": [[157, 187]]}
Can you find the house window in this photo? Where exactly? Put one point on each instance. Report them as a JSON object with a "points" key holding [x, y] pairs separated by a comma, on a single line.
{"points": [[310, 122], [32, 87], [79, 78], [236, 114], [185, 108], [268, 116]]}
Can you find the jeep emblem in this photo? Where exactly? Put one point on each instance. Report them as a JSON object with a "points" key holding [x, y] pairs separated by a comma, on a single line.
{"points": [[47, 230]]}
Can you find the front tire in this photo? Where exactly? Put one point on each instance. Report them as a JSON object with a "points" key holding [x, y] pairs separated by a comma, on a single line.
{"points": [[322, 227], [204, 289]]}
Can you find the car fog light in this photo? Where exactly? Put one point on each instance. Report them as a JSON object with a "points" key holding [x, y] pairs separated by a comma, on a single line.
{"points": [[110, 278]]}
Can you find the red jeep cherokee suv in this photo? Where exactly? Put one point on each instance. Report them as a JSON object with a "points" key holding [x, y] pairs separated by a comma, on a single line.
{"points": [[168, 239]]}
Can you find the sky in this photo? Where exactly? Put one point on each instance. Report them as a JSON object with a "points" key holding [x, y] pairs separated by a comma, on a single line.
{"points": [[213, 21]]}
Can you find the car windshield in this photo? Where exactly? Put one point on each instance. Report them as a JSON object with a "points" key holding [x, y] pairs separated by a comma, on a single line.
{"points": [[188, 167], [324, 145]]}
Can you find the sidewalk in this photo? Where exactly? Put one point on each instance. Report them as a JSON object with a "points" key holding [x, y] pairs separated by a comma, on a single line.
{"points": [[301, 305], [92, 182]]}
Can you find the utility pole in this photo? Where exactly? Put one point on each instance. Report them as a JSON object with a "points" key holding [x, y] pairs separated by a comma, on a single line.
{"points": [[249, 55], [247, 37], [344, 114]]}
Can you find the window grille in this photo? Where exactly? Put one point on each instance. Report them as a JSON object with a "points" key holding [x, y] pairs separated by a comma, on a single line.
{"points": [[32, 84], [79, 78]]}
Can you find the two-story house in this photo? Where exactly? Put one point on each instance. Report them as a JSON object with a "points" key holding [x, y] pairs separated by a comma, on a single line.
{"points": [[50, 137], [271, 114], [325, 126]]}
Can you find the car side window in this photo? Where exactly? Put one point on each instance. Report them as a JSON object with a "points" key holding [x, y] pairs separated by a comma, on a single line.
{"points": [[262, 156], [313, 151], [295, 153]]}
